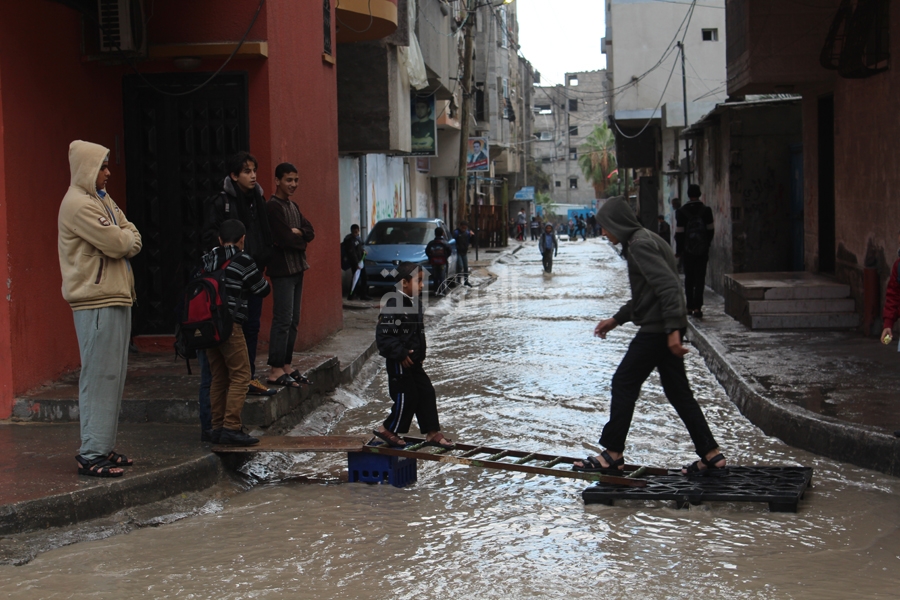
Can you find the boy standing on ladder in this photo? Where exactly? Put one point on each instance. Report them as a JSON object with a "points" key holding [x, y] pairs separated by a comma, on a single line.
{"points": [[400, 336]]}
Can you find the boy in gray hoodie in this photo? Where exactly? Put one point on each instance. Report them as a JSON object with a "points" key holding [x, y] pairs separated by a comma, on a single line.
{"points": [[657, 306]]}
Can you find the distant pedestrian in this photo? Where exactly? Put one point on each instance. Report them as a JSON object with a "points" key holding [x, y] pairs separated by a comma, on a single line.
{"points": [[353, 252], [663, 229], [676, 204], [400, 337], [95, 243], [291, 233], [463, 236], [694, 232], [438, 252], [657, 307], [549, 247], [229, 362], [535, 228], [521, 219], [242, 198], [592, 225], [891, 312]]}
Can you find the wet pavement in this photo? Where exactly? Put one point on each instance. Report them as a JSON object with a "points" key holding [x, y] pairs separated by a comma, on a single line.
{"points": [[515, 365]]}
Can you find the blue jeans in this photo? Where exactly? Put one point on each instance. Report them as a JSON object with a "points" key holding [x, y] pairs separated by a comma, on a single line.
{"points": [[462, 264], [205, 382]]}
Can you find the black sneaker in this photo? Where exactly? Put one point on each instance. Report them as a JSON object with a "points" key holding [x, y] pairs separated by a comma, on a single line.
{"points": [[206, 435], [236, 437], [467, 284], [256, 388]]}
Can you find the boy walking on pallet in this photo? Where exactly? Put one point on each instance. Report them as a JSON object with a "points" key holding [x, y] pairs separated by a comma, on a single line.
{"points": [[400, 336], [229, 362], [658, 308]]}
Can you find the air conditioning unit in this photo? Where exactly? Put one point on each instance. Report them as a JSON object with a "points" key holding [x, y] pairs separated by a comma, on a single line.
{"points": [[122, 26]]}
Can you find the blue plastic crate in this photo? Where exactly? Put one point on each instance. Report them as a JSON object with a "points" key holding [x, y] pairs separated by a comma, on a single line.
{"points": [[378, 468]]}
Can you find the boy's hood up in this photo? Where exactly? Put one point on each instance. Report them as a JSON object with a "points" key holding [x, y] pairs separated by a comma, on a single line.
{"points": [[617, 217], [85, 160]]}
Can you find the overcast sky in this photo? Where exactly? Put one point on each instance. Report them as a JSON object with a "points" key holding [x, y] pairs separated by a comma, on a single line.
{"points": [[561, 36]]}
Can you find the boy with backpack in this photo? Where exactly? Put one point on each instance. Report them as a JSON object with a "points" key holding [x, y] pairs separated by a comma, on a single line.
{"points": [[438, 252], [694, 231], [548, 246], [229, 361]]}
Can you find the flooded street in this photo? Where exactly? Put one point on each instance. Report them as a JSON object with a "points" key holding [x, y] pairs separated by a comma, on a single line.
{"points": [[515, 365]]}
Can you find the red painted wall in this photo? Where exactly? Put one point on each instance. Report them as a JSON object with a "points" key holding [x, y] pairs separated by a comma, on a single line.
{"points": [[303, 103], [49, 97], [867, 179], [6, 371]]}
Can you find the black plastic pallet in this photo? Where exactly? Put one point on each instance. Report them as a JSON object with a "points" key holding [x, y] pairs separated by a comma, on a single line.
{"points": [[781, 487]]}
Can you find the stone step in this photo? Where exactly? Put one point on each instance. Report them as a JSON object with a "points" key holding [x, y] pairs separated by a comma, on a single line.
{"points": [[805, 321], [832, 305], [784, 286]]}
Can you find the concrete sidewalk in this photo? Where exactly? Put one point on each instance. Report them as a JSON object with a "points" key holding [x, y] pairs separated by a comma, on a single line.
{"points": [[834, 393], [159, 429]]}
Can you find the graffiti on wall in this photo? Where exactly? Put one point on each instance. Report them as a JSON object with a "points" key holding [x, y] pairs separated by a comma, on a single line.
{"points": [[388, 188]]}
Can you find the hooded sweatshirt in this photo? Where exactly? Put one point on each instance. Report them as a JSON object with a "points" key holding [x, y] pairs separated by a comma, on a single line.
{"points": [[657, 304], [95, 239]]}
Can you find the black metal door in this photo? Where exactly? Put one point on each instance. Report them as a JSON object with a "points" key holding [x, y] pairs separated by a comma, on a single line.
{"points": [[175, 148]]}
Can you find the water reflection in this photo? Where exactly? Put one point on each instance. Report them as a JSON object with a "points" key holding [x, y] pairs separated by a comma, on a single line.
{"points": [[532, 378]]}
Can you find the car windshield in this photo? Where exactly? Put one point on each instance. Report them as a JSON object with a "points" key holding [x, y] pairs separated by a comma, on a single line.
{"points": [[402, 233]]}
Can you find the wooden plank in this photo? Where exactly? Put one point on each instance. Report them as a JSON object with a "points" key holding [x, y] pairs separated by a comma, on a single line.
{"points": [[330, 443]]}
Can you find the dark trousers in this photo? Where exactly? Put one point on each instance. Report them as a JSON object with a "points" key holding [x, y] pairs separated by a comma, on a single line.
{"points": [[286, 294], [650, 351], [412, 394], [547, 259], [462, 264], [534, 233], [361, 289], [438, 273], [694, 280], [250, 329]]}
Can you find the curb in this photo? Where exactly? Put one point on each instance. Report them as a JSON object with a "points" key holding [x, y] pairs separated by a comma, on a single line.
{"points": [[797, 426], [102, 500], [349, 373]]}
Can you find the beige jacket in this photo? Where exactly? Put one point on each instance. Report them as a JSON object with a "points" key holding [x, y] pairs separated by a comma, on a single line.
{"points": [[95, 238]]}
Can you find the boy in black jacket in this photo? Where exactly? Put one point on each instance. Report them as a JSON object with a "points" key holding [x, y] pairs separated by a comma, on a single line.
{"points": [[229, 362], [242, 198], [400, 336]]}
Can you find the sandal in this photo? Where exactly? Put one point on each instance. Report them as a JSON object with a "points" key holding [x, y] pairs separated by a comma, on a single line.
{"points": [[299, 377], [392, 440], [119, 460], [285, 381], [98, 467], [437, 440], [592, 465], [711, 470]]}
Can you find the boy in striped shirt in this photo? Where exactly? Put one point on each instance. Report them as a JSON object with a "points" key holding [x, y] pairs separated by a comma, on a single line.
{"points": [[229, 362]]}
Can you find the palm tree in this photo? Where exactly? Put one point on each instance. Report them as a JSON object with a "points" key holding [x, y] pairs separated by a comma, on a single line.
{"points": [[598, 158]]}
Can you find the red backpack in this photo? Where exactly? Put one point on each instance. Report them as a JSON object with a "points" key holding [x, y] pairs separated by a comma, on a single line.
{"points": [[205, 320]]}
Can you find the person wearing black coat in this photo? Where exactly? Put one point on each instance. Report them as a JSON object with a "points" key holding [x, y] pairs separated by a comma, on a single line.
{"points": [[242, 198]]}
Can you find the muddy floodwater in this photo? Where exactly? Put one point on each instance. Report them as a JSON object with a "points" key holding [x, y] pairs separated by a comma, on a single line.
{"points": [[515, 365]]}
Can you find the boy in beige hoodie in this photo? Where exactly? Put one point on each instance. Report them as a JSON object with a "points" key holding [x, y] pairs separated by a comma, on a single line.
{"points": [[95, 242]]}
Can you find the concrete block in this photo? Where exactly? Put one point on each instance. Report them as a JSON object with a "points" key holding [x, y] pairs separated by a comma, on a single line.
{"points": [[805, 321], [840, 305]]}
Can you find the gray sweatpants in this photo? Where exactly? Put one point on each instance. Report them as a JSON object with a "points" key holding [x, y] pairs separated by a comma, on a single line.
{"points": [[103, 337]]}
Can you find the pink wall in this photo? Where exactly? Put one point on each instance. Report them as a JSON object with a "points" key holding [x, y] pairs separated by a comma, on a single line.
{"points": [[6, 369]]}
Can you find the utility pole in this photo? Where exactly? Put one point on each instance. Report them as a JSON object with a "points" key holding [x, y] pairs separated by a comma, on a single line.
{"points": [[687, 149], [568, 140], [466, 85]]}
